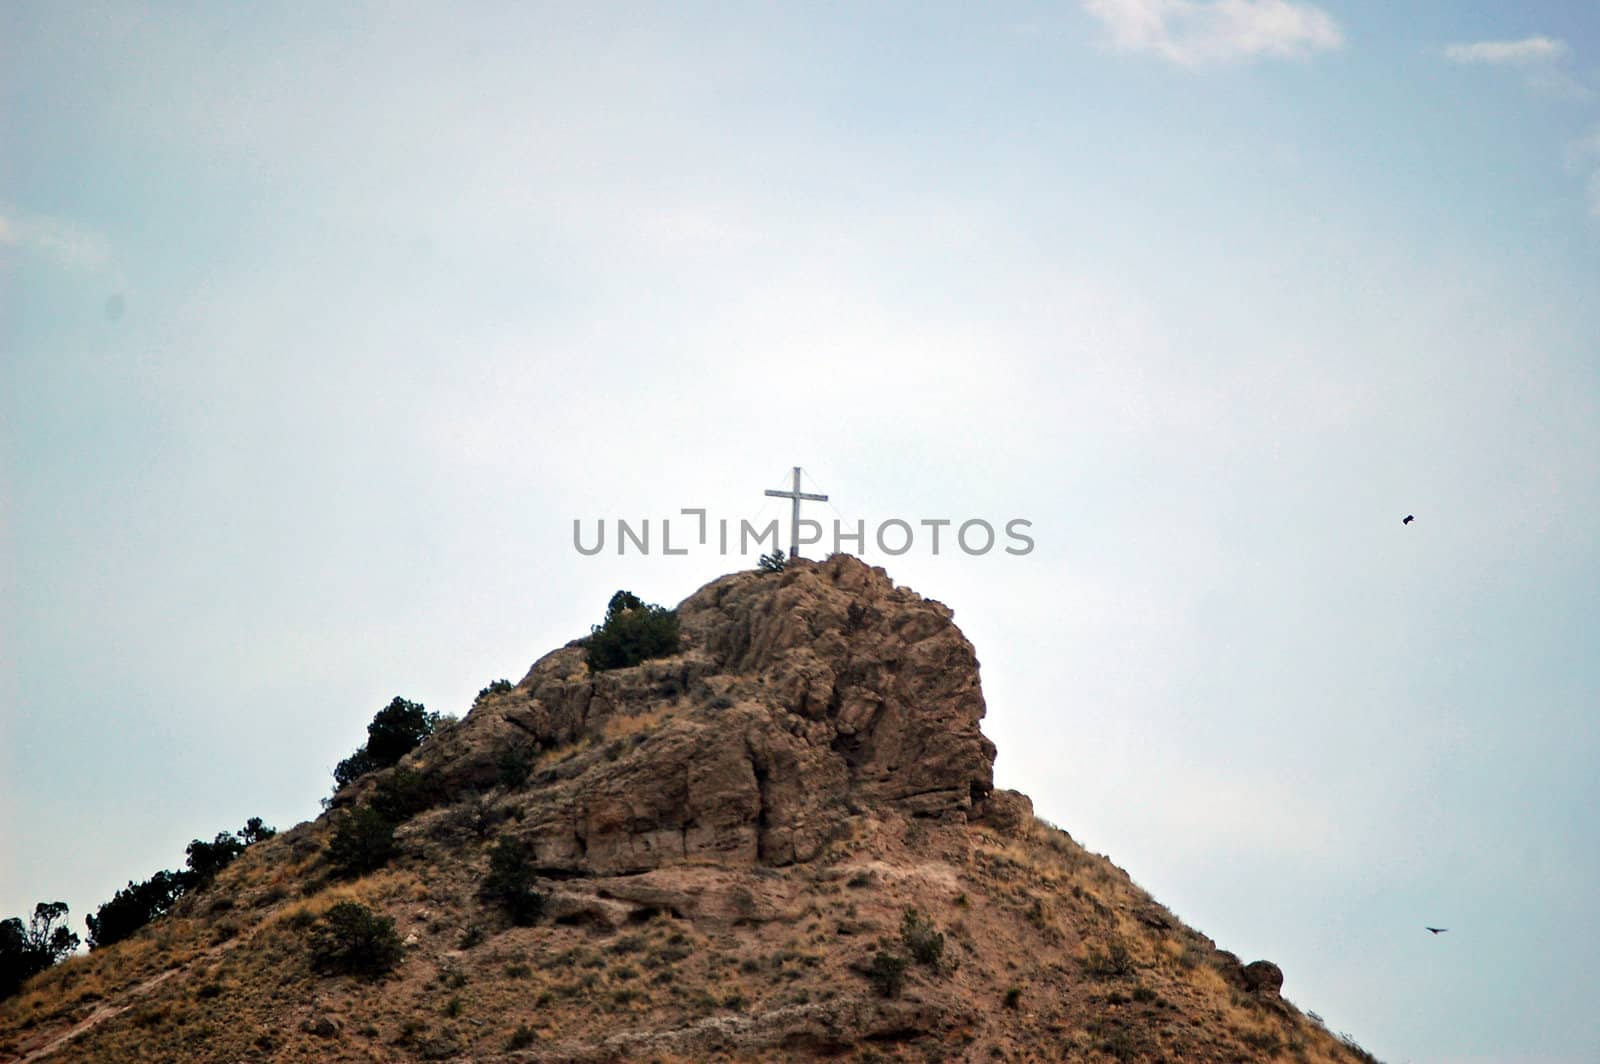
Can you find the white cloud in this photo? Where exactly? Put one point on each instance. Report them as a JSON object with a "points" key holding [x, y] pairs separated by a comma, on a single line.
{"points": [[61, 242], [1193, 33], [1527, 51]]}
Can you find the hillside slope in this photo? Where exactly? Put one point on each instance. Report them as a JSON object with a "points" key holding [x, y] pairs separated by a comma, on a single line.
{"points": [[781, 843]]}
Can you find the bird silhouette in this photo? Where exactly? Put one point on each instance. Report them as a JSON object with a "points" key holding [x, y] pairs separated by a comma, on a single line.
{"points": [[1436, 930], [1409, 518]]}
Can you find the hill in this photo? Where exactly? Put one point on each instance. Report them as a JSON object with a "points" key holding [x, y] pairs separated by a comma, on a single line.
{"points": [[781, 842]]}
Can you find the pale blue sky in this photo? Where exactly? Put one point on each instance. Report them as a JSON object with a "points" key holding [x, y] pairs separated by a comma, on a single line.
{"points": [[318, 328]]}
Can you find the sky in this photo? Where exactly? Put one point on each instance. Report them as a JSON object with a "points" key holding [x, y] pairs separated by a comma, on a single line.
{"points": [[321, 325]]}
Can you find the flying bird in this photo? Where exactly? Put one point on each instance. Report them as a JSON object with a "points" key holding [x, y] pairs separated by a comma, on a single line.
{"points": [[1436, 930], [1409, 518]]}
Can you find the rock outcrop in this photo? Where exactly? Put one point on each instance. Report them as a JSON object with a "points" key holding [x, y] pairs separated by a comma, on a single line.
{"points": [[779, 844], [797, 695]]}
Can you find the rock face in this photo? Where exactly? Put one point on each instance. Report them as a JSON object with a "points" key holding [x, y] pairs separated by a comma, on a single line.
{"points": [[796, 695], [1263, 977]]}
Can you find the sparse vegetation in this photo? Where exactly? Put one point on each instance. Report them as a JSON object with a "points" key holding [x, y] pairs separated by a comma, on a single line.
{"points": [[1113, 963], [925, 944], [395, 731], [888, 973], [362, 842], [498, 687], [632, 632], [509, 883], [351, 939], [27, 950], [516, 765], [133, 907], [138, 904]]}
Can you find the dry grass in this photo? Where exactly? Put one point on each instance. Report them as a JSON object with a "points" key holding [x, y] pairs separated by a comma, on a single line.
{"points": [[1023, 913]]}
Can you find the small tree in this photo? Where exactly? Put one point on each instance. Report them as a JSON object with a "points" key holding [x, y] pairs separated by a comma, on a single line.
{"points": [[888, 973], [134, 906], [925, 943], [399, 728], [255, 831], [632, 632], [363, 842], [27, 951], [395, 731], [206, 859], [509, 883], [351, 939], [774, 562]]}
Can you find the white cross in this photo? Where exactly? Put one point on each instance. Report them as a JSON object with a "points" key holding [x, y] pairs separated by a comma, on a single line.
{"points": [[794, 520]]}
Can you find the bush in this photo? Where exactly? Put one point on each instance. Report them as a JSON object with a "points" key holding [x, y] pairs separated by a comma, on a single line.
{"points": [[509, 883], [206, 859], [134, 906], [888, 973], [255, 831], [353, 767], [499, 687], [632, 632], [351, 939], [774, 562], [402, 794], [395, 731], [926, 944], [363, 842], [1117, 963], [27, 951], [516, 765]]}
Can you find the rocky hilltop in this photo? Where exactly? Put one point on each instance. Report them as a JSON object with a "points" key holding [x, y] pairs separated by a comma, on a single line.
{"points": [[780, 843]]}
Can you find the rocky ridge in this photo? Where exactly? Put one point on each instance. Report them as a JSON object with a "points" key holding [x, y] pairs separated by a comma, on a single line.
{"points": [[729, 842]]}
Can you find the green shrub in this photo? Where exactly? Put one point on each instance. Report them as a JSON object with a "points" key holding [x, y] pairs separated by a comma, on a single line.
{"points": [[28, 950], [1013, 997], [509, 883], [206, 859], [499, 687], [363, 842], [523, 1037], [926, 944], [351, 939], [888, 973], [395, 731], [516, 765], [134, 906], [632, 632], [255, 831], [774, 562]]}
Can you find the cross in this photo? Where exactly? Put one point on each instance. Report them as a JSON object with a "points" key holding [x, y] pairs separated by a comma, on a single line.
{"points": [[794, 520]]}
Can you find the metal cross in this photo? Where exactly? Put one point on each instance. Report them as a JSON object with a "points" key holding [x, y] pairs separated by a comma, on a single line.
{"points": [[794, 520]]}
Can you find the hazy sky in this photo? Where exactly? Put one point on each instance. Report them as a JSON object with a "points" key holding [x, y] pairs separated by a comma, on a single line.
{"points": [[322, 323]]}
